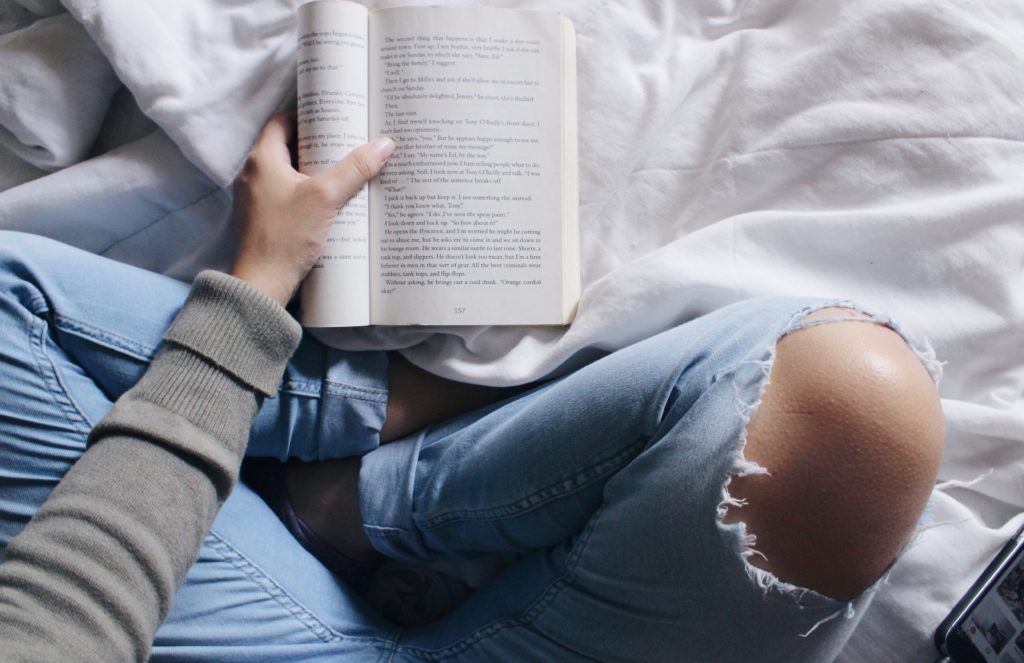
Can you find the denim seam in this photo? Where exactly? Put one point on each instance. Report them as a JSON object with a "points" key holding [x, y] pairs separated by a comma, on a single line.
{"points": [[57, 390], [301, 387], [351, 391], [569, 486], [388, 535], [313, 389], [528, 616], [104, 337], [281, 596], [37, 303], [531, 614]]}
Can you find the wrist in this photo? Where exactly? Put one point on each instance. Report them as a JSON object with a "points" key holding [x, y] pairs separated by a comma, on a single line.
{"points": [[269, 281]]}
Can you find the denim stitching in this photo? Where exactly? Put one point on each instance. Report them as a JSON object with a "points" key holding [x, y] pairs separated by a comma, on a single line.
{"points": [[281, 596], [37, 303], [313, 388], [103, 337], [386, 535], [272, 589], [57, 390], [529, 615], [301, 387], [581, 480], [362, 393]]}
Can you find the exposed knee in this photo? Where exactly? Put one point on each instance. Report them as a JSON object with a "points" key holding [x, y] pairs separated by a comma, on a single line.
{"points": [[851, 433]]}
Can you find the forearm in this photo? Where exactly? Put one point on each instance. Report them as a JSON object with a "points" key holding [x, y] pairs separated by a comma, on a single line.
{"points": [[94, 573]]}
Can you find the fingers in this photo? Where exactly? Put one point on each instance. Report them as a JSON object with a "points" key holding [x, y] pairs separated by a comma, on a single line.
{"points": [[272, 144], [342, 180], [334, 186]]}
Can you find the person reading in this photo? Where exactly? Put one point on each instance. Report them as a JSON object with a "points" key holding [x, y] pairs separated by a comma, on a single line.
{"points": [[730, 489]]}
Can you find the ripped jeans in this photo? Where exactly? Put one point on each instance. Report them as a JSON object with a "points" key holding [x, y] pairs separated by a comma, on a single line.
{"points": [[607, 485]]}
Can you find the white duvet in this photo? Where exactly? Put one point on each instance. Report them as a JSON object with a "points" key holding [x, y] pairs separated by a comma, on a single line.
{"points": [[865, 149]]}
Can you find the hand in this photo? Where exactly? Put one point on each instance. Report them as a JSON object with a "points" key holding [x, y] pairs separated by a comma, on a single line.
{"points": [[285, 216]]}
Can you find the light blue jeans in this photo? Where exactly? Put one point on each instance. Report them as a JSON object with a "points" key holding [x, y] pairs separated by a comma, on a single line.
{"points": [[607, 483]]}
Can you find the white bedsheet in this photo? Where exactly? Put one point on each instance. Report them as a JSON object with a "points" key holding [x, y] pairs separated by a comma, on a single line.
{"points": [[729, 148]]}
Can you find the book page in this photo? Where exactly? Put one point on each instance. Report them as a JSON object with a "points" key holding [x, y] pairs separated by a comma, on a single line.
{"points": [[332, 119], [466, 215]]}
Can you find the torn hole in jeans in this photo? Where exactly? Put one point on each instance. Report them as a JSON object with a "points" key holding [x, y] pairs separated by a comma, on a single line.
{"points": [[750, 379]]}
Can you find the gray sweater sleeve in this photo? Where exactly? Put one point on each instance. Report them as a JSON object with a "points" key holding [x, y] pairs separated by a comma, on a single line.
{"points": [[93, 574]]}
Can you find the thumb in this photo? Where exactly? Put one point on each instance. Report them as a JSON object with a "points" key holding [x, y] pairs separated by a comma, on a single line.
{"points": [[344, 179]]}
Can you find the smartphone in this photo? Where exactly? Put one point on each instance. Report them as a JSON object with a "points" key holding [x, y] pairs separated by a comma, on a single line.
{"points": [[987, 625]]}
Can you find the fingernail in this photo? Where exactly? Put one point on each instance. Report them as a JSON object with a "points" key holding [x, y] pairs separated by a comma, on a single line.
{"points": [[383, 146]]}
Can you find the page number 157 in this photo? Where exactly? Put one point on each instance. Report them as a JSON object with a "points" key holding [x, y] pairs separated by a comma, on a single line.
{"points": [[459, 310]]}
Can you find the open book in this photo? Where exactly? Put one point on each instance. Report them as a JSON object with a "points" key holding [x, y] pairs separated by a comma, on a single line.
{"points": [[474, 219]]}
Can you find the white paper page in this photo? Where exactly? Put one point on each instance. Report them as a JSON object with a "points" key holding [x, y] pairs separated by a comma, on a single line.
{"points": [[332, 118], [466, 216]]}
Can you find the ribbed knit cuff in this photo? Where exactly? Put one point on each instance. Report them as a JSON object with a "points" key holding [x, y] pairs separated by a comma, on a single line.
{"points": [[188, 386], [238, 328]]}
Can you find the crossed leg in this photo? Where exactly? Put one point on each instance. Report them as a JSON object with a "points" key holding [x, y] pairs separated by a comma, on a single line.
{"points": [[618, 482], [849, 430]]}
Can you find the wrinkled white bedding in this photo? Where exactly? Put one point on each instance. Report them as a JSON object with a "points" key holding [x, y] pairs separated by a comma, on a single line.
{"points": [[729, 148]]}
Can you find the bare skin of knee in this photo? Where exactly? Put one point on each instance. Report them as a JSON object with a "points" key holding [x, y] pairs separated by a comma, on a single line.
{"points": [[850, 430]]}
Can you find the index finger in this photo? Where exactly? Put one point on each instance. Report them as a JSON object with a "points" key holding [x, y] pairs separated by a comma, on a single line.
{"points": [[342, 180]]}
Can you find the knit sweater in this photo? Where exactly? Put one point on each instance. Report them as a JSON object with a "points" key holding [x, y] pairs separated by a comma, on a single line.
{"points": [[93, 574]]}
